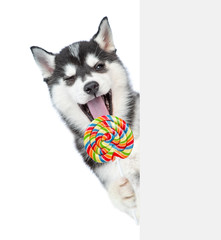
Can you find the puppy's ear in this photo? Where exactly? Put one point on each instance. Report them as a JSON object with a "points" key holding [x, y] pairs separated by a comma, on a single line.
{"points": [[45, 61], [104, 36]]}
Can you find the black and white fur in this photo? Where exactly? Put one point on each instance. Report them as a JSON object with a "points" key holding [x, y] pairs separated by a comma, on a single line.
{"points": [[66, 74]]}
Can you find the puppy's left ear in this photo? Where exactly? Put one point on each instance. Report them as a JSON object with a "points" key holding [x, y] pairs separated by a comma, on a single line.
{"points": [[104, 36]]}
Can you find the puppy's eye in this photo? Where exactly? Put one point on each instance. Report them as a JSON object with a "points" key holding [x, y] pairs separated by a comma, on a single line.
{"points": [[99, 66], [71, 78]]}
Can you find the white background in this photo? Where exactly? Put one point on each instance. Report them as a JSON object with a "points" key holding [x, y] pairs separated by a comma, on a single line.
{"points": [[46, 191]]}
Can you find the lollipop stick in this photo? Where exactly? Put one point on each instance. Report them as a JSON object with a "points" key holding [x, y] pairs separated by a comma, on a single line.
{"points": [[122, 175], [119, 167]]}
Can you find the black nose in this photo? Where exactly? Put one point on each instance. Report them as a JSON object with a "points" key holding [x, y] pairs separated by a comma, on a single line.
{"points": [[91, 87]]}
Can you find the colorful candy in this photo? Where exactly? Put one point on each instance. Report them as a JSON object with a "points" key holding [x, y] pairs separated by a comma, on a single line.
{"points": [[108, 137]]}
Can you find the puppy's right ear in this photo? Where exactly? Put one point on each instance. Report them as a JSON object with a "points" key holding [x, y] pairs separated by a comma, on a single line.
{"points": [[45, 61]]}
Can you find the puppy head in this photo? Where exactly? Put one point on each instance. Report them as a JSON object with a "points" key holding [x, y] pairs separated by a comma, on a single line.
{"points": [[83, 74]]}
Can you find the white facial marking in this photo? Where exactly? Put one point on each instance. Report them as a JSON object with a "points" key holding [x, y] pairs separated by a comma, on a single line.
{"points": [[64, 102], [77, 93], [74, 49], [70, 70], [91, 60]]}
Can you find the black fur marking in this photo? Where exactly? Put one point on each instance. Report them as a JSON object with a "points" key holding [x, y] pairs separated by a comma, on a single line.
{"points": [[66, 57], [137, 176], [33, 47], [131, 109]]}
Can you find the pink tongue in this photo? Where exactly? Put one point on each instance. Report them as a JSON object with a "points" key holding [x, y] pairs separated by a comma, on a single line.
{"points": [[97, 107]]}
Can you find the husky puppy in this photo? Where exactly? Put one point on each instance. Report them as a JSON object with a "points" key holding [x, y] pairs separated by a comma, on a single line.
{"points": [[87, 80]]}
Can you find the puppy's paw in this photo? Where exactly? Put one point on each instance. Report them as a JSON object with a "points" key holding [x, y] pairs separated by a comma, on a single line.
{"points": [[127, 193], [122, 194]]}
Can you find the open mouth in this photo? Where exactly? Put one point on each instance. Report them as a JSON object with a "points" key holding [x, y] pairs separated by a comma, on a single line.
{"points": [[99, 106]]}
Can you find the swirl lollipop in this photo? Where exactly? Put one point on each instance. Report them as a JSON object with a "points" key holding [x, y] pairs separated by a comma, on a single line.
{"points": [[108, 137]]}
